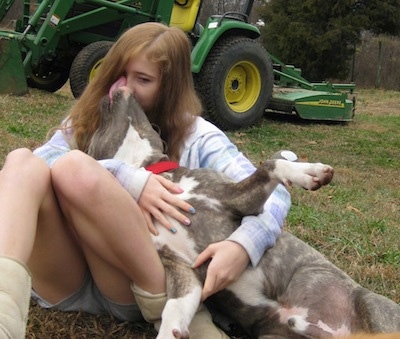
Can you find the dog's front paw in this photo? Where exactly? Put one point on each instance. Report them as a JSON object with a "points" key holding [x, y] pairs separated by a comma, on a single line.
{"points": [[318, 175]]}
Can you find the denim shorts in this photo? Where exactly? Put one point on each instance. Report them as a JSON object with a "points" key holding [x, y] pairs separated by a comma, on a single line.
{"points": [[89, 299]]}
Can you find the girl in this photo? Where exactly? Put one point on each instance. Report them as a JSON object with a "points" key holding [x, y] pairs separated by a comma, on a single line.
{"points": [[91, 219]]}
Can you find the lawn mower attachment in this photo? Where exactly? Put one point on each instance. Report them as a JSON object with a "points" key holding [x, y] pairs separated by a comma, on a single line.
{"points": [[292, 94]]}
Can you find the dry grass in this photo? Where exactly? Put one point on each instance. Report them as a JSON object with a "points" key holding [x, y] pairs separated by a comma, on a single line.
{"points": [[354, 221], [53, 324]]}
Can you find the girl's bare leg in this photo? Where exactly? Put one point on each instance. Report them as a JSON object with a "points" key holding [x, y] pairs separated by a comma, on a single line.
{"points": [[109, 227], [23, 183], [26, 197], [33, 230]]}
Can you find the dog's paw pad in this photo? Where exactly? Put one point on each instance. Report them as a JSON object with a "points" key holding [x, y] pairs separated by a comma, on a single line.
{"points": [[321, 175], [326, 174], [178, 334]]}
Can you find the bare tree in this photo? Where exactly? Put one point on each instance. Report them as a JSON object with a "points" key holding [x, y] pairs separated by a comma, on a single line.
{"points": [[210, 7]]}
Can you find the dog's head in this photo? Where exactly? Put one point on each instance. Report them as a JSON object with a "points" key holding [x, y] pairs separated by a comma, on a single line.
{"points": [[125, 132]]}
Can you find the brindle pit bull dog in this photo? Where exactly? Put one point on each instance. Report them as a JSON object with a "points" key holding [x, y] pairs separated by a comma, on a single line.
{"points": [[294, 292]]}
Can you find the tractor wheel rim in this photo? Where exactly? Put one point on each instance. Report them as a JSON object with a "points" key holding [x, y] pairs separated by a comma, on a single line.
{"points": [[45, 79], [242, 86], [94, 69]]}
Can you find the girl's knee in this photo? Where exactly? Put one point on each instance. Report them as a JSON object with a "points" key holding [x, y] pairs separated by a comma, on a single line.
{"points": [[23, 165], [19, 157], [74, 175]]}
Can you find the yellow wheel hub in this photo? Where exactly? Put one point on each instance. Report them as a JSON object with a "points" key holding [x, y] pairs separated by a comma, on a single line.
{"points": [[94, 69], [242, 86]]}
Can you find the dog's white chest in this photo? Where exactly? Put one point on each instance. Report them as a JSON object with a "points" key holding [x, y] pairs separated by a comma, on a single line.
{"points": [[134, 149]]}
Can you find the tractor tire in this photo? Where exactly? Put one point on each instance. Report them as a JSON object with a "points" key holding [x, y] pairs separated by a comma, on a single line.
{"points": [[51, 80], [235, 83], [86, 64]]}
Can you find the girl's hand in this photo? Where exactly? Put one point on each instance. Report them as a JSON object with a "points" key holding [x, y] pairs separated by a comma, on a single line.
{"points": [[228, 261], [159, 200]]}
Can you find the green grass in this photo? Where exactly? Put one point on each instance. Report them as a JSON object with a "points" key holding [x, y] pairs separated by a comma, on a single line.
{"points": [[25, 120], [354, 221]]}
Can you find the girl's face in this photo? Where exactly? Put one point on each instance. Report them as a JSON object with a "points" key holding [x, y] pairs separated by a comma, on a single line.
{"points": [[143, 79]]}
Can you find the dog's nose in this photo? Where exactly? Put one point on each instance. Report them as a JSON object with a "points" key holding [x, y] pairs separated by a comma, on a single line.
{"points": [[119, 83]]}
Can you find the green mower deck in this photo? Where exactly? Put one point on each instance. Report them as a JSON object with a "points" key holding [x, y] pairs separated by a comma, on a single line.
{"points": [[313, 104]]}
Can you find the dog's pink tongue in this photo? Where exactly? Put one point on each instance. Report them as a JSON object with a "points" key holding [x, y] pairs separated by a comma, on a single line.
{"points": [[119, 83]]}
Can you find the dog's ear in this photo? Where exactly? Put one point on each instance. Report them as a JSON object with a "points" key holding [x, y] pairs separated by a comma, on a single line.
{"points": [[112, 129]]}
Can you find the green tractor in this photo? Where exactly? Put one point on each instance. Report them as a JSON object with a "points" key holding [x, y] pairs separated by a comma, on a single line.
{"points": [[57, 40], [52, 41]]}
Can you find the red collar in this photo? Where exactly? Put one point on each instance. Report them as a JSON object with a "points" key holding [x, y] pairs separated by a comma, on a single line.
{"points": [[162, 166]]}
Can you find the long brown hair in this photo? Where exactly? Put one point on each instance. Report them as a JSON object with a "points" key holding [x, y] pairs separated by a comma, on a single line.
{"points": [[177, 103]]}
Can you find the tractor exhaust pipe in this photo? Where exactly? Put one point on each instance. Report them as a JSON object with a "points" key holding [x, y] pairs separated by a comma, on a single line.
{"points": [[248, 7]]}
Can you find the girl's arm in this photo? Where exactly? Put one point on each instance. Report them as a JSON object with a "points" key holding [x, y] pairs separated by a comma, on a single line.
{"points": [[212, 149], [133, 180]]}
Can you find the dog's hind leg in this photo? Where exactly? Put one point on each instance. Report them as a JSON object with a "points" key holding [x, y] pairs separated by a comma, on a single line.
{"points": [[249, 195], [310, 176]]}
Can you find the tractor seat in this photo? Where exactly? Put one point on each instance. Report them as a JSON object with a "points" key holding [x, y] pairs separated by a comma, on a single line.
{"points": [[184, 14]]}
